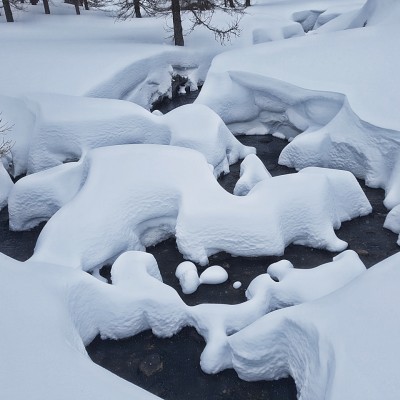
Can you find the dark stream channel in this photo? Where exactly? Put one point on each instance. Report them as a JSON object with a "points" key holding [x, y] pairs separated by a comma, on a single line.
{"points": [[170, 368]]}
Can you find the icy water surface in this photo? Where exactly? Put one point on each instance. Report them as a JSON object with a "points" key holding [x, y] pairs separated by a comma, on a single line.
{"points": [[170, 368]]}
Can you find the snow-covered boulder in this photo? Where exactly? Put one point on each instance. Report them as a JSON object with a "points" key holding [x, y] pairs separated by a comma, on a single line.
{"points": [[252, 171], [68, 126], [155, 197], [314, 342]]}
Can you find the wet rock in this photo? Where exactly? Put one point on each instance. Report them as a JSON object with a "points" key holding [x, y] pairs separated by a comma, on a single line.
{"points": [[362, 252], [151, 365]]}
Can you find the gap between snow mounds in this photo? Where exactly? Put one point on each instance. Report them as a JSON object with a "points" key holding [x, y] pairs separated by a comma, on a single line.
{"points": [[52, 129], [146, 206], [147, 80], [327, 132]]}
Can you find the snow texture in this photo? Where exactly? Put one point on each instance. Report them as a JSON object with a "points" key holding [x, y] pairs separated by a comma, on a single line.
{"points": [[252, 171], [314, 342], [146, 206]]}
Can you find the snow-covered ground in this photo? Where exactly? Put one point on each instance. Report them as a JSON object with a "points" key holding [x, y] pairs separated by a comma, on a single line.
{"points": [[111, 177]]}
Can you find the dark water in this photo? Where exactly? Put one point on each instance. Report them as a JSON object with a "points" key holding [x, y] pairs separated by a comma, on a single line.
{"points": [[170, 367]]}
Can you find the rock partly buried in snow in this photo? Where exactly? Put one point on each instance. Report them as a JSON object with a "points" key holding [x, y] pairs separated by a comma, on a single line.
{"points": [[65, 127], [188, 277], [252, 171], [6, 185], [213, 275], [314, 342], [155, 197]]}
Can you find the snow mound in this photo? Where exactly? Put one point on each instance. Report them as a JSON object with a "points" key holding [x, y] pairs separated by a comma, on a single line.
{"points": [[314, 342], [145, 206], [6, 186], [252, 171], [65, 127], [188, 277], [213, 275], [296, 286], [392, 221]]}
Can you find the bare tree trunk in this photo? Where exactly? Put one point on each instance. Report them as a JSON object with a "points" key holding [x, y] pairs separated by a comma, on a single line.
{"points": [[86, 4], [76, 3], [46, 6], [248, 4], [7, 11], [136, 5], [231, 4], [177, 21]]}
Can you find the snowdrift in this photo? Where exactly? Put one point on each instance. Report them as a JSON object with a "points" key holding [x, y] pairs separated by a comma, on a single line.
{"points": [[164, 191]]}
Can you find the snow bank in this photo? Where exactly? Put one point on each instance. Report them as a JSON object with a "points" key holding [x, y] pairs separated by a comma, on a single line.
{"points": [[6, 185], [145, 206], [43, 344], [64, 309], [392, 221], [252, 171], [314, 342], [59, 128]]}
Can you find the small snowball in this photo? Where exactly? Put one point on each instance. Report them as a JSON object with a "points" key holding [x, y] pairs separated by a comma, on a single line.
{"points": [[157, 112], [237, 285], [214, 275], [188, 277]]}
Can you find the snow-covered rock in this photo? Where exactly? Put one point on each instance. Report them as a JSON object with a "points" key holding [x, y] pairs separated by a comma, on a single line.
{"points": [[188, 277], [314, 342], [252, 171], [213, 275], [108, 216]]}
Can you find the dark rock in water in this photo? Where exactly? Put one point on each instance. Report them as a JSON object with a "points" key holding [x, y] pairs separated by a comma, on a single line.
{"points": [[151, 365]]}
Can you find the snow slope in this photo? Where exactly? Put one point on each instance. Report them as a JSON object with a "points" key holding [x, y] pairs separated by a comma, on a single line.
{"points": [[146, 205], [338, 347]]}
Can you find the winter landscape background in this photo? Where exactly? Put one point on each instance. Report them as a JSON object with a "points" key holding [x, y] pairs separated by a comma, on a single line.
{"points": [[254, 229]]}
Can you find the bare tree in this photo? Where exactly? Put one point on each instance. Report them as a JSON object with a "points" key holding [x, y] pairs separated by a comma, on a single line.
{"points": [[200, 13], [5, 144], [7, 11]]}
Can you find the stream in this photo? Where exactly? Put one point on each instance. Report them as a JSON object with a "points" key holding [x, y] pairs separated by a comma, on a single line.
{"points": [[170, 367]]}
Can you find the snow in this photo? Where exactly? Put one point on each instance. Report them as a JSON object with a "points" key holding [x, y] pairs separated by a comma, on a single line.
{"points": [[314, 342], [213, 275], [111, 177], [6, 186], [57, 128], [189, 278], [252, 171], [237, 285], [145, 206]]}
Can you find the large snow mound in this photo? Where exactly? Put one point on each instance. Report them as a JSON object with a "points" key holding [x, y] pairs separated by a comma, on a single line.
{"points": [[164, 191], [6, 185], [314, 342], [52, 129]]}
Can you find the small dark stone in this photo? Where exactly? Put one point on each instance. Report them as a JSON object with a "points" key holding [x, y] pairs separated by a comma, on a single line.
{"points": [[362, 252], [151, 365]]}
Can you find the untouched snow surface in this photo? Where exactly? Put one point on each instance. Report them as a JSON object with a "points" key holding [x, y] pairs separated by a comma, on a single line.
{"points": [[52, 129], [145, 206]]}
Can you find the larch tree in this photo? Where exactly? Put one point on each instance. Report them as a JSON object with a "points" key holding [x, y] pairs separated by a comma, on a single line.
{"points": [[200, 13]]}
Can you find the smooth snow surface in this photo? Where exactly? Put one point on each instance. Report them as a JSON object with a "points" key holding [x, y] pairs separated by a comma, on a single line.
{"points": [[53, 129], [6, 185], [145, 206]]}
